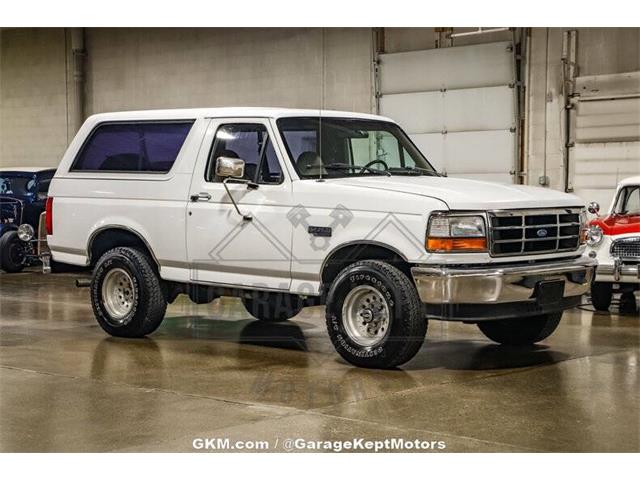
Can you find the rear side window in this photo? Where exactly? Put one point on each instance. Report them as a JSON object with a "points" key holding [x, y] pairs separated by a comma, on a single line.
{"points": [[133, 147]]}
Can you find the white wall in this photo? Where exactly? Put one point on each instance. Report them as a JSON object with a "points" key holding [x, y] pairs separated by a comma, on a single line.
{"points": [[155, 68], [171, 68], [33, 124]]}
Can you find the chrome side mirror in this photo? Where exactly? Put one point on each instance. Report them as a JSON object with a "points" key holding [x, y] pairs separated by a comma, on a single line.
{"points": [[594, 207], [232, 169], [228, 167]]}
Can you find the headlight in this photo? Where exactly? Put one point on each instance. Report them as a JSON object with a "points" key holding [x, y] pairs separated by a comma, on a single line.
{"points": [[456, 233], [25, 232], [594, 235]]}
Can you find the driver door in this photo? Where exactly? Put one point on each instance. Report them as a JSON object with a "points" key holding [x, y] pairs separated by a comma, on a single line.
{"points": [[222, 247]]}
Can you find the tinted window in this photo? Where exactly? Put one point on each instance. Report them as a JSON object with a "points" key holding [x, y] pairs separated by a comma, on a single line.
{"points": [[251, 143], [133, 147]]}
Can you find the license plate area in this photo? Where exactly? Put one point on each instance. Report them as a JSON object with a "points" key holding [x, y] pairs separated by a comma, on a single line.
{"points": [[548, 292]]}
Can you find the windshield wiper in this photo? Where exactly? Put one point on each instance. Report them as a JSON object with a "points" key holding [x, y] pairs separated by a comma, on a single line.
{"points": [[346, 166], [412, 171]]}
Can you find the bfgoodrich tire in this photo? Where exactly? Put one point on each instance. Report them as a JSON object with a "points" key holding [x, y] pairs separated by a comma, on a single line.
{"points": [[601, 294], [11, 252], [374, 315], [126, 293], [521, 331]]}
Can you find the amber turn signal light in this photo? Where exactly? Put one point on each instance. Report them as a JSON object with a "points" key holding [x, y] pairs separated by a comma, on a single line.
{"points": [[478, 244]]}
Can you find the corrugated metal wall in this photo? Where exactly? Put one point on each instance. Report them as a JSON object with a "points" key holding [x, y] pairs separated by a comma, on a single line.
{"points": [[605, 134]]}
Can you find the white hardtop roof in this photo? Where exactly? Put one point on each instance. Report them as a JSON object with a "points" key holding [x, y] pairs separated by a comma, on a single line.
{"points": [[630, 181], [25, 169], [229, 112]]}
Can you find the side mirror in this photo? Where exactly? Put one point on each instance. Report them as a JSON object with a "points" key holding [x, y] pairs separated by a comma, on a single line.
{"points": [[594, 207], [227, 167]]}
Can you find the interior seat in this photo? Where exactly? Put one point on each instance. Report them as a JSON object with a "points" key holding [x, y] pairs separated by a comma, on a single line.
{"points": [[310, 163]]}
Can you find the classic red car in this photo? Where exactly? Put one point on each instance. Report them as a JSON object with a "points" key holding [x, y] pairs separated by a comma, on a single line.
{"points": [[614, 240]]}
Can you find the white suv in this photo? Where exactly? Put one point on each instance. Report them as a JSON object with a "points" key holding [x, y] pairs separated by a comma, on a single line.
{"points": [[289, 208]]}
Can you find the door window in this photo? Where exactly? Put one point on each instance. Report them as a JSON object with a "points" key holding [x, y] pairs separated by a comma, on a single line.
{"points": [[251, 143]]}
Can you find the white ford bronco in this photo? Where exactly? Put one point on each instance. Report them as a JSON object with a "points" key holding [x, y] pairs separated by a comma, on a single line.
{"points": [[290, 208]]}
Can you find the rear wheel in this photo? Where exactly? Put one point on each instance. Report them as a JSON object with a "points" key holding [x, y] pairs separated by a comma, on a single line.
{"points": [[601, 294], [273, 307], [126, 293], [521, 331], [12, 252]]}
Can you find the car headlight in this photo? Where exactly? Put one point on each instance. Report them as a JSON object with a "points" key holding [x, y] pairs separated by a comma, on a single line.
{"points": [[456, 233], [25, 232], [594, 235]]}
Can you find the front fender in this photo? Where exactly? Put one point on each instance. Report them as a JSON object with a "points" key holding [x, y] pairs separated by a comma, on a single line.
{"points": [[7, 227]]}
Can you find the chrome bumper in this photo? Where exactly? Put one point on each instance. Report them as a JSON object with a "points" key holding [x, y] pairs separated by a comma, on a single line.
{"points": [[620, 272], [496, 284]]}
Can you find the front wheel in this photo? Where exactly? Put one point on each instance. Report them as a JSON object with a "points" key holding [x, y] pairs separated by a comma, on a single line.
{"points": [[374, 315], [601, 294], [521, 331], [126, 293], [12, 252]]}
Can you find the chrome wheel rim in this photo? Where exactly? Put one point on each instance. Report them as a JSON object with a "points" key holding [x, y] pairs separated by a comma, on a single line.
{"points": [[118, 295], [365, 316]]}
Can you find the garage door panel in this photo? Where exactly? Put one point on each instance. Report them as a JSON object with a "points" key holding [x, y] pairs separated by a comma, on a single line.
{"points": [[600, 166], [478, 109], [472, 109], [478, 152], [608, 120], [415, 112], [469, 153], [432, 147], [446, 68]]}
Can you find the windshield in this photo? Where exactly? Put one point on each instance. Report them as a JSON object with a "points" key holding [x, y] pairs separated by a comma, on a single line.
{"points": [[17, 185], [350, 147], [628, 201]]}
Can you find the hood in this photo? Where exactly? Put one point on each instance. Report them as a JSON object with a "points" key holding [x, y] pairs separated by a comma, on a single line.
{"points": [[617, 224], [464, 194]]}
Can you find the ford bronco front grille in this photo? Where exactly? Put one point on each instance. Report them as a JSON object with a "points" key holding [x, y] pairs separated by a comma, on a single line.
{"points": [[626, 248], [528, 232]]}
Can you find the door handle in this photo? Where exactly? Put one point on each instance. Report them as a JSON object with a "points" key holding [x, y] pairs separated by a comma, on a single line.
{"points": [[202, 196]]}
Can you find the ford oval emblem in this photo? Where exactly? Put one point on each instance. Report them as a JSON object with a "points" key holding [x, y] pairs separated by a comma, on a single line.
{"points": [[542, 233]]}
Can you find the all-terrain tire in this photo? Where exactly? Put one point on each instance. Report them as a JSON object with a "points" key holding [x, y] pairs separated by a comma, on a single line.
{"points": [[11, 260], [601, 295], [149, 305], [521, 331], [407, 325]]}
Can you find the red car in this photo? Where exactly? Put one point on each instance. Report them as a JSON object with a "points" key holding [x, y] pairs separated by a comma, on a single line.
{"points": [[614, 240]]}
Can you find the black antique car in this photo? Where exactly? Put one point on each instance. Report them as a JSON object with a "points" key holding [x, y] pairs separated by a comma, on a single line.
{"points": [[23, 195]]}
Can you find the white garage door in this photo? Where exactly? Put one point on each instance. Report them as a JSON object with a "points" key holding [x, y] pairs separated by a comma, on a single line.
{"points": [[458, 106], [605, 135]]}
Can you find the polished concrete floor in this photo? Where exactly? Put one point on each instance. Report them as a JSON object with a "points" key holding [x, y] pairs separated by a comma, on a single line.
{"points": [[212, 372]]}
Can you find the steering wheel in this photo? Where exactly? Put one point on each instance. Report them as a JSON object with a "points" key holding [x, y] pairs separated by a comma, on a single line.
{"points": [[374, 162]]}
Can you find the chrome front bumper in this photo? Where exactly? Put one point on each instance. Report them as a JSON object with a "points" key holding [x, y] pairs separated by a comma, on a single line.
{"points": [[618, 272], [496, 284]]}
